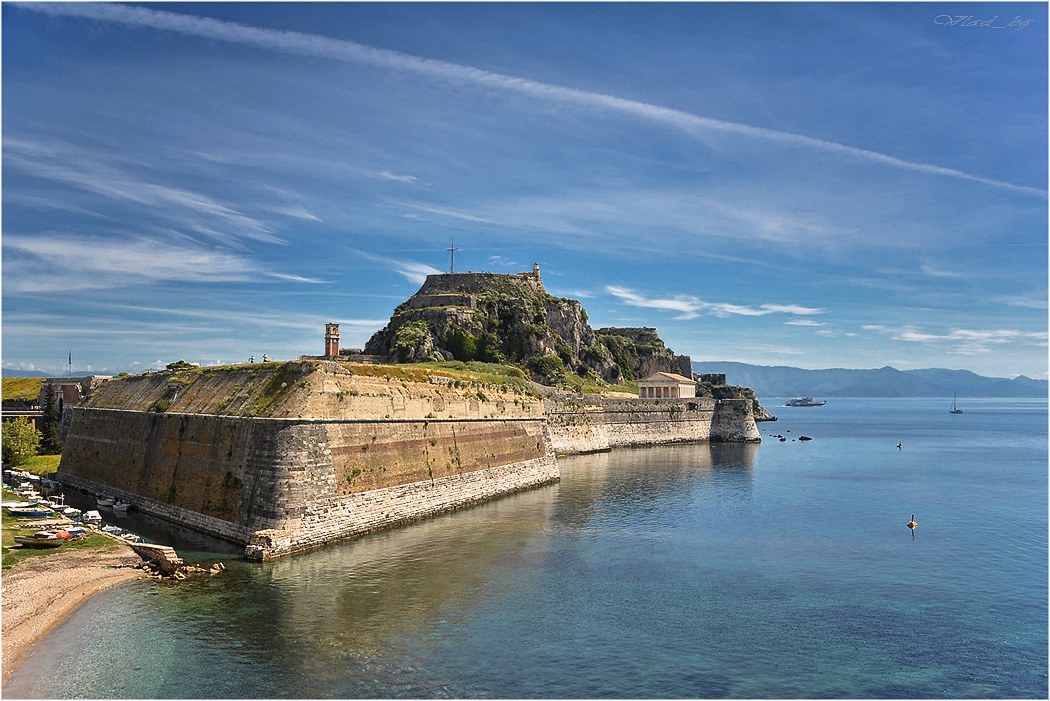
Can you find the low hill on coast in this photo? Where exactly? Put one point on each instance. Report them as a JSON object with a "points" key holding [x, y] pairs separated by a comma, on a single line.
{"points": [[511, 319], [783, 381]]}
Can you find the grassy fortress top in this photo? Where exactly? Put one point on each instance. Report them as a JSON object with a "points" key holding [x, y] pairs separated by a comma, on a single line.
{"points": [[312, 389]]}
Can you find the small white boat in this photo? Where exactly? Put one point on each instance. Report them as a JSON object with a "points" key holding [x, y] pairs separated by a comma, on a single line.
{"points": [[131, 537], [71, 512], [121, 507], [92, 517], [105, 502], [112, 530]]}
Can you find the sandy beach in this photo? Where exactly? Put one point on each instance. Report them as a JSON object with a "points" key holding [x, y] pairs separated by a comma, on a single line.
{"points": [[41, 592]]}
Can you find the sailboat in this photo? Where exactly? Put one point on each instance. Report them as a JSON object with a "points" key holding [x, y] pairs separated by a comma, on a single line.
{"points": [[955, 410]]}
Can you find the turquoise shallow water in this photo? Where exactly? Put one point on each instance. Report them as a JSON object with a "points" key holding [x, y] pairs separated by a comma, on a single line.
{"points": [[780, 570]]}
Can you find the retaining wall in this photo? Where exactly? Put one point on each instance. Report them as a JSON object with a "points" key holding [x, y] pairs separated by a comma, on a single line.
{"points": [[283, 485], [592, 423]]}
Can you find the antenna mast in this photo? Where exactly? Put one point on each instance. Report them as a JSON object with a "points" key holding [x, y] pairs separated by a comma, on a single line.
{"points": [[452, 260]]}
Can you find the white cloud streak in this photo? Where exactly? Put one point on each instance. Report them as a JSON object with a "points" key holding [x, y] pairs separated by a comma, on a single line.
{"points": [[413, 271], [440, 211], [961, 341], [66, 262], [84, 171], [692, 307], [387, 175], [352, 52]]}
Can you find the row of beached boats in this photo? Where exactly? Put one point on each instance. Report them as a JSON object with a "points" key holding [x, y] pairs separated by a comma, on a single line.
{"points": [[32, 505]]}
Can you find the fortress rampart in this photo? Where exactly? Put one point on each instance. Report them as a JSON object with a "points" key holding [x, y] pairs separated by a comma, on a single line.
{"points": [[283, 457], [592, 423]]}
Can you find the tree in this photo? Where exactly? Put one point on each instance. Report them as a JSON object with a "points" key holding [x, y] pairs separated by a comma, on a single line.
{"points": [[51, 437], [20, 441]]}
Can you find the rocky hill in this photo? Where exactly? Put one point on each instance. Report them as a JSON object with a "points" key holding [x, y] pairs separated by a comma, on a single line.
{"points": [[512, 319]]}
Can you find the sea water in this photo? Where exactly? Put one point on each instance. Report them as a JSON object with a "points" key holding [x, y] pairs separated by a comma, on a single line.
{"points": [[780, 570]]}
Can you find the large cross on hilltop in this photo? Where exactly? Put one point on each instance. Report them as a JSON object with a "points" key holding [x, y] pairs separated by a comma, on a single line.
{"points": [[452, 261]]}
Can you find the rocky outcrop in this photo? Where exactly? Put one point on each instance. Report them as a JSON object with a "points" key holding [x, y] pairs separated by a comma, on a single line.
{"points": [[706, 388], [512, 319], [639, 353]]}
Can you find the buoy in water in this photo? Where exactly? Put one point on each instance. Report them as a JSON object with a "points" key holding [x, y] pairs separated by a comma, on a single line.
{"points": [[911, 524]]}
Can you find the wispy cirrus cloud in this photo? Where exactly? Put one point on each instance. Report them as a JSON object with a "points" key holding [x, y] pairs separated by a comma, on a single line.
{"points": [[1025, 301], [446, 212], [932, 271], [352, 52], [387, 175], [296, 212], [54, 262], [415, 272], [691, 307], [86, 171], [961, 341]]}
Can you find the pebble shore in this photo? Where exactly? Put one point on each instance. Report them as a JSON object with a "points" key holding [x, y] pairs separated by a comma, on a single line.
{"points": [[39, 593]]}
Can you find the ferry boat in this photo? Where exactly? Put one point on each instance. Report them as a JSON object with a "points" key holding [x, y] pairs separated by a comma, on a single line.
{"points": [[804, 401]]}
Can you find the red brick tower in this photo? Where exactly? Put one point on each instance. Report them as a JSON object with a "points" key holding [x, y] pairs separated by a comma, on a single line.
{"points": [[331, 340]]}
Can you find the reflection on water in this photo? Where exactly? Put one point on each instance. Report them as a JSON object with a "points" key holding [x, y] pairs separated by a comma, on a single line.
{"points": [[652, 479]]}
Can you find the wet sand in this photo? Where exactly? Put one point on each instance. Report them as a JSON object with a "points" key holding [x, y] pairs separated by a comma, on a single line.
{"points": [[39, 593]]}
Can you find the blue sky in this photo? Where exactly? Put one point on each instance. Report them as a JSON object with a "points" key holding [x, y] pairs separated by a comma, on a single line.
{"points": [[816, 185]]}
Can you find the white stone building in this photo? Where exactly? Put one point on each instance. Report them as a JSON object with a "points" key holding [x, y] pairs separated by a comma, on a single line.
{"points": [[666, 385]]}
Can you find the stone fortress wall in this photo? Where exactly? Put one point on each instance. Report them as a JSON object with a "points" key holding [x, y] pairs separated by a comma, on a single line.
{"points": [[336, 456], [591, 423], [282, 457]]}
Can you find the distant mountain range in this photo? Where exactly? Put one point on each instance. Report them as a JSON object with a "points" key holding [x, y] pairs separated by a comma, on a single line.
{"points": [[781, 381], [8, 372]]}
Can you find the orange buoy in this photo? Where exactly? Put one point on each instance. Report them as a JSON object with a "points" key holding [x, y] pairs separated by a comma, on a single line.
{"points": [[912, 524]]}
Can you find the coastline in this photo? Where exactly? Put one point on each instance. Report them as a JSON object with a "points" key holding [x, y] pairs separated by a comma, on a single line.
{"points": [[41, 592]]}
